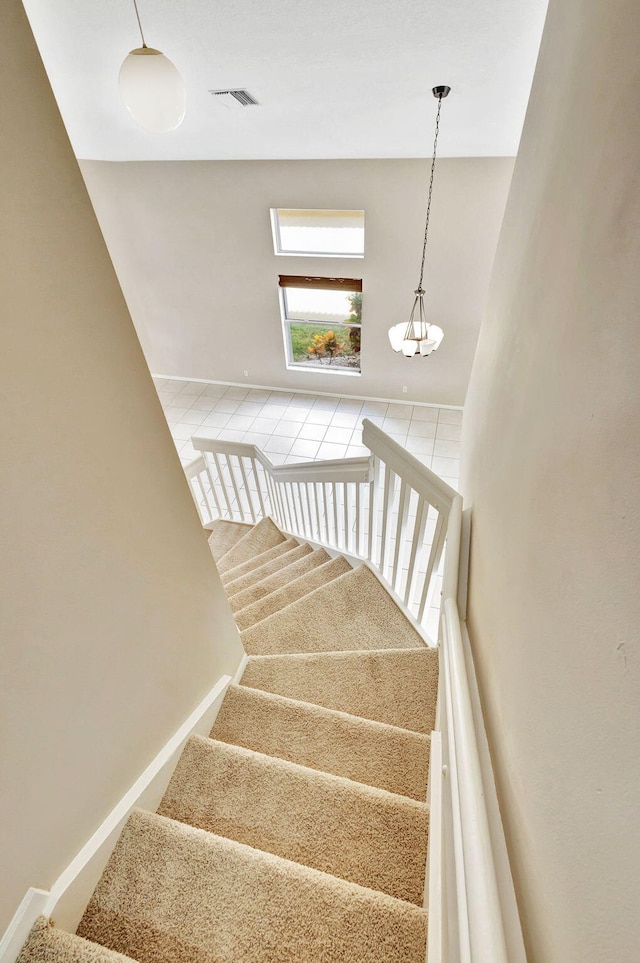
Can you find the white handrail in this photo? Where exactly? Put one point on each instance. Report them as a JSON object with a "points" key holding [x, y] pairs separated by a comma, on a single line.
{"points": [[394, 510], [481, 927], [408, 467], [341, 469], [486, 928], [453, 776]]}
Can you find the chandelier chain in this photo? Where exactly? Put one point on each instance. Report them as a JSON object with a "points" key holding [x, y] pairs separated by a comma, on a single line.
{"points": [[144, 43], [433, 167]]}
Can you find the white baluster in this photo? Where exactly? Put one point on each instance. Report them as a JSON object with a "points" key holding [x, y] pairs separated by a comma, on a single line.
{"points": [[256, 479], [325, 502], [434, 558], [223, 484], [287, 499], [245, 480], [336, 528], [204, 499], [234, 484], [213, 489], [374, 487], [401, 527], [417, 541], [387, 501], [309, 513], [345, 512], [298, 530], [317, 502]]}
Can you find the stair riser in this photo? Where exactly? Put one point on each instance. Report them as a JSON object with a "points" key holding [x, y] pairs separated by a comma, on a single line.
{"points": [[223, 535], [377, 755], [173, 893], [353, 612], [340, 827], [397, 687], [292, 591], [262, 567], [258, 539]]}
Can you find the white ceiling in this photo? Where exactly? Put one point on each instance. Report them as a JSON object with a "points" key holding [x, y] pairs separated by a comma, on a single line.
{"points": [[334, 78]]}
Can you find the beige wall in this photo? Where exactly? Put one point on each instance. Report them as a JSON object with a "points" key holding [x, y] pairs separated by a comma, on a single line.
{"points": [[551, 450], [191, 242], [114, 624]]}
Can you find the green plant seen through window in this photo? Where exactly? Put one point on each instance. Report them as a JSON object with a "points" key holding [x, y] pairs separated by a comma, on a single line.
{"points": [[324, 342], [303, 335], [355, 301]]}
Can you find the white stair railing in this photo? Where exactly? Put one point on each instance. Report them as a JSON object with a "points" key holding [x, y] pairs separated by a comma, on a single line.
{"points": [[409, 511], [317, 500], [385, 508], [392, 512]]}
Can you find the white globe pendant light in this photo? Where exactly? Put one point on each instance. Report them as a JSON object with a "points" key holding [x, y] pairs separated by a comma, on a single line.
{"points": [[416, 336], [151, 88]]}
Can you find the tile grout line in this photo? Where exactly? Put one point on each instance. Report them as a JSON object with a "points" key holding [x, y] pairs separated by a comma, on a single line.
{"points": [[291, 426]]}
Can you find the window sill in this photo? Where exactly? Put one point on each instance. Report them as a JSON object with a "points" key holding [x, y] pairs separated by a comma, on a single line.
{"points": [[312, 254], [325, 369]]}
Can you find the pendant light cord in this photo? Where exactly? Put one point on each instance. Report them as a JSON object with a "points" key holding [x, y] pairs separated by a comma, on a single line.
{"points": [[144, 43], [433, 167]]}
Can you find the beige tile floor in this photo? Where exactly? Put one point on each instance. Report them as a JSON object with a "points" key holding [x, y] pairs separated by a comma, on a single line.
{"points": [[295, 427]]}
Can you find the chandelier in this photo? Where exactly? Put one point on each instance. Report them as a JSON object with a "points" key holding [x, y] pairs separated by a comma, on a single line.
{"points": [[151, 87], [416, 336]]}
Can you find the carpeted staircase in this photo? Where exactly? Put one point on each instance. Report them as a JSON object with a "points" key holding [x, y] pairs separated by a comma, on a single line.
{"points": [[298, 830]]}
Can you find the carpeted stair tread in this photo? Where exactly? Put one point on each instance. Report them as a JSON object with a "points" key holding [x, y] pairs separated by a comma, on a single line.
{"points": [[174, 893], [298, 831], [223, 535], [279, 576], [291, 588], [352, 612], [256, 568], [47, 944], [259, 538], [367, 752], [355, 832], [396, 686]]}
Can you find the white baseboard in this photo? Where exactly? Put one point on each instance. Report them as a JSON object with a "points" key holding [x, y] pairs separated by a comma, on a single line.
{"points": [[69, 895], [241, 668], [309, 391], [31, 907], [508, 904], [434, 897]]}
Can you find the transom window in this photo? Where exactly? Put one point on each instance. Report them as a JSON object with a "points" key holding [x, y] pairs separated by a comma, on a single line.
{"points": [[322, 320], [317, 233]]}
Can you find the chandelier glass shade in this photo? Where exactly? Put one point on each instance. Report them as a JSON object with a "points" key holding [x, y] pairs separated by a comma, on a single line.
{"points": [[416, 336], [151, 88]]}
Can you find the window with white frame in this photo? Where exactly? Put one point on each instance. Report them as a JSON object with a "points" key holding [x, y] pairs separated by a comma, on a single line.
{"points": [[317, 233], [322, 320]]}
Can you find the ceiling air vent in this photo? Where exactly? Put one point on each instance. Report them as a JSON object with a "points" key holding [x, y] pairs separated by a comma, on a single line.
{"points": [[234, 98]]}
